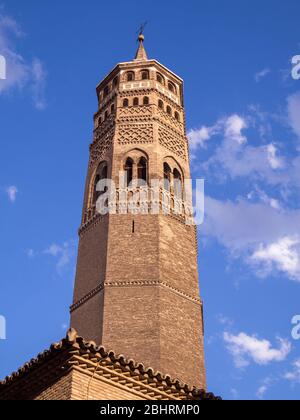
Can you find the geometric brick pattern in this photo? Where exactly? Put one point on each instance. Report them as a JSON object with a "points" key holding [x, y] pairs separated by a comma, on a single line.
{"points": [[172, 141], [101, 146], [135, 134]]}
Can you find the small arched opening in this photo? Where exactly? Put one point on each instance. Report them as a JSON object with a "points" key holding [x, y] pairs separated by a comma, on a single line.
{"points": [[129, 170], [167, 176]]}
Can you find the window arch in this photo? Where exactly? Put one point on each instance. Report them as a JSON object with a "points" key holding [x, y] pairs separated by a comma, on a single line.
{"points": [[99, 121], [177, 117], [112, 108], [129, 170], [125, 103], [146, 100], [105, 115], [177, 183], [145, 75], [160, 78], [160, 104], [136, 102], [167, 176], [142, 171], [130, 77], [172, 87], [169, 110], [106, 91], [101, 174]]}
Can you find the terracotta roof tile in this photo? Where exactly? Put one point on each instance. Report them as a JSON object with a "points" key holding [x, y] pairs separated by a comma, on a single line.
{"points": [[73, 341]]}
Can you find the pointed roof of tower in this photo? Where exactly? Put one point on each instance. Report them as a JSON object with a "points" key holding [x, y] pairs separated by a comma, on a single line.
{"points": [[141, 54]]}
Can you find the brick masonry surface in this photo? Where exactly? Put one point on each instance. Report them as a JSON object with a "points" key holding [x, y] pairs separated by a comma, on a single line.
{"points": [[136, 288]]}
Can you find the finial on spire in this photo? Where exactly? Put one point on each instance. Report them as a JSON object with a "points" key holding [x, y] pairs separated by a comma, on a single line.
{"points": [[141, 54]]}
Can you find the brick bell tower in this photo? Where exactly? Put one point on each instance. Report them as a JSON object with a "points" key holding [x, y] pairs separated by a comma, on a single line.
{"points": [[136, 288]]}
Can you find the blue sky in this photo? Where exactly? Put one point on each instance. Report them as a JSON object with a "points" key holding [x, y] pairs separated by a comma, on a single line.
{"points": [[243, 117]]}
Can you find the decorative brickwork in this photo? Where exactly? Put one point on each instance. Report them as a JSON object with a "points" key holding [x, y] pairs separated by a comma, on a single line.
{"points": [[135, 134], [170, 121], [136, 287], [102, 143], [130, 114], [173, 142]]}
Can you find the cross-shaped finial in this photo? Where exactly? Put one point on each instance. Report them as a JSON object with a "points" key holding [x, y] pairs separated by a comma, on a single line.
{"points": [[142, 28]]}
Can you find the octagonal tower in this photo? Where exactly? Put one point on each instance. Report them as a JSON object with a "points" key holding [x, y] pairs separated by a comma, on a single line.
{"points": [[136, 288]]}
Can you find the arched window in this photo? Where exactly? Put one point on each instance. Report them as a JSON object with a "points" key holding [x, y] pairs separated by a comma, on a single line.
{"points": [[106, 115], [125, 103], [167, 176], [101, 174], [129, 170], [112, 108], [160, 78], [171, 87], [130, 76], [160, 104], [177, 183], [177, 117], [115, 81], [136, 102], [106, 91], [145, 75], [96, 194], [142, 171], [169, 110], [146, 100], [99, 121]]}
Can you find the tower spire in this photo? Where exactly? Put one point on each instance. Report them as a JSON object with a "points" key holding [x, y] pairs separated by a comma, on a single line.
{"points": [[141, 54]]}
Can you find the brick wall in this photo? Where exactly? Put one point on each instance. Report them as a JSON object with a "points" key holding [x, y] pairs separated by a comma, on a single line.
{"points": [[84, 387], [60, 390]]}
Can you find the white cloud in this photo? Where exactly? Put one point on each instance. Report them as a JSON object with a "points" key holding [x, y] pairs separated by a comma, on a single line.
{"points": [[235, 393], [261, 392], [266, 384], [224, 320], [231, 127], [283, 255], [21, 72], [39, 76], [263, 197], [263, 231], [31, 253], [246, 349], [63, 254], [262, 74], [234, 126], [12, 192], [274, 160], [265, 237], [234, 156], [54, 250], [199, 138], [294, 112], [294, 375]]}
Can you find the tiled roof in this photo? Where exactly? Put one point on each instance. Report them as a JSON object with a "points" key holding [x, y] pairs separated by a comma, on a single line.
{"points": [[90, 350]]}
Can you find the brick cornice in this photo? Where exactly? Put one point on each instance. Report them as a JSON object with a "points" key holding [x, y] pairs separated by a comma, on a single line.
{"points": [[139, 283]]}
